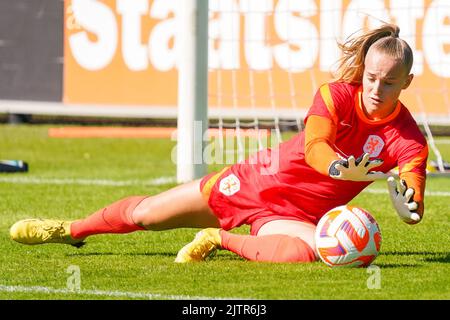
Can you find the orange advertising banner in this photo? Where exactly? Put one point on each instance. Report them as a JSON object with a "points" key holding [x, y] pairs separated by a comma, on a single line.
{"points": [[263, 54]]}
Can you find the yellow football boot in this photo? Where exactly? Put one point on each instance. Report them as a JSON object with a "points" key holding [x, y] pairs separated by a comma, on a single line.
{"points": [[39, 231], [205, 242]]}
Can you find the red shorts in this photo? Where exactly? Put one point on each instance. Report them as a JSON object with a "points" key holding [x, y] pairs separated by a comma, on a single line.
{"points": [[235, 210]]}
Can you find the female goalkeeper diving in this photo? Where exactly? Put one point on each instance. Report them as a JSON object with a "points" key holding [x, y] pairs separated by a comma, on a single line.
{"points": [[356, 124]]}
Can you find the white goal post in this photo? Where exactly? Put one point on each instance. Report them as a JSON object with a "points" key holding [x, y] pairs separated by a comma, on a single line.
{"points": [[192, 120]]}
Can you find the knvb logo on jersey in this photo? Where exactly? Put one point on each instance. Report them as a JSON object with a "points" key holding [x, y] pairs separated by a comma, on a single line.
{"points": [[373, 145], [230, 185]]}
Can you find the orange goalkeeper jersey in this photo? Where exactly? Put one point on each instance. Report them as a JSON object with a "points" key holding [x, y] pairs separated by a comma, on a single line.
{"points": [[291, 181]]}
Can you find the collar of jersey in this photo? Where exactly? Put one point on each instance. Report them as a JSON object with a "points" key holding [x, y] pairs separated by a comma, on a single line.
{"points": [[362, 115]]}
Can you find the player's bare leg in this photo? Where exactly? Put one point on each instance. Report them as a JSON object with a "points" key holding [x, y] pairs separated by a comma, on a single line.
{"points": [[182, 206]]}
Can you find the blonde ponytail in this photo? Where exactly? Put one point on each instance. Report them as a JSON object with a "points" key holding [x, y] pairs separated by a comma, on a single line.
{"points": [[385, 39]]}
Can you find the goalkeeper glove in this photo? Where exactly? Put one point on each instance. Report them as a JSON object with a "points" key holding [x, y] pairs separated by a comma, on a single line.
{"points": [[356, 170], [401, 198]]}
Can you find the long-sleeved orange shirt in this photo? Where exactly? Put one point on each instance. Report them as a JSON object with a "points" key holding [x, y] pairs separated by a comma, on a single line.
{"points": [[291, 181]]}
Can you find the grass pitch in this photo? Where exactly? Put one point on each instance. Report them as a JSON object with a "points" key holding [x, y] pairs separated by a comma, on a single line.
{"points": [[71, 178]]}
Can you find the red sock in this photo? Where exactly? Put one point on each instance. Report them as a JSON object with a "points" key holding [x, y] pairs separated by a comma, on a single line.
{"points": [[269, 248], [115, 218]]}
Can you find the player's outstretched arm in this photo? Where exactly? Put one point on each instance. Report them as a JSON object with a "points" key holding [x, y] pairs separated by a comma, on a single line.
{"points": [[320, 134]]}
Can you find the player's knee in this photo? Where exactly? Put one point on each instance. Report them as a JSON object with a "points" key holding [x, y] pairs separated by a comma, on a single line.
{"points": [[151, 215], [141, 213]]}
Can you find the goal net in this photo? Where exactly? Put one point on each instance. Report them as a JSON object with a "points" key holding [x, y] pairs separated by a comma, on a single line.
{"points": [[267, 58]]}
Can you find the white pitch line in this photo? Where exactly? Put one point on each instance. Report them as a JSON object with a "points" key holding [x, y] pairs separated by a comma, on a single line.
{"points": [[114, 294], [89, 182], [427, 193]]}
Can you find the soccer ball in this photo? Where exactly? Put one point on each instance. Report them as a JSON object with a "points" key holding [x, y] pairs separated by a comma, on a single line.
{"points": [[347, 236]]}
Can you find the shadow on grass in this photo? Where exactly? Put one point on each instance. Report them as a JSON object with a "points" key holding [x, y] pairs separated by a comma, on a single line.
{"points": [[90, 254], [223, 257], [396, 265], [440, 257]]}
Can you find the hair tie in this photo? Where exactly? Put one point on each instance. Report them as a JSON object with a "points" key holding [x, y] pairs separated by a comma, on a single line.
{"points": [[396, 32]]}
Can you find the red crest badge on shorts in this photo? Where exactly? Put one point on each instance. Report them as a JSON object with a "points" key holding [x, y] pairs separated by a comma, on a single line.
{"points": [[373, 145], [230, 185]]}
